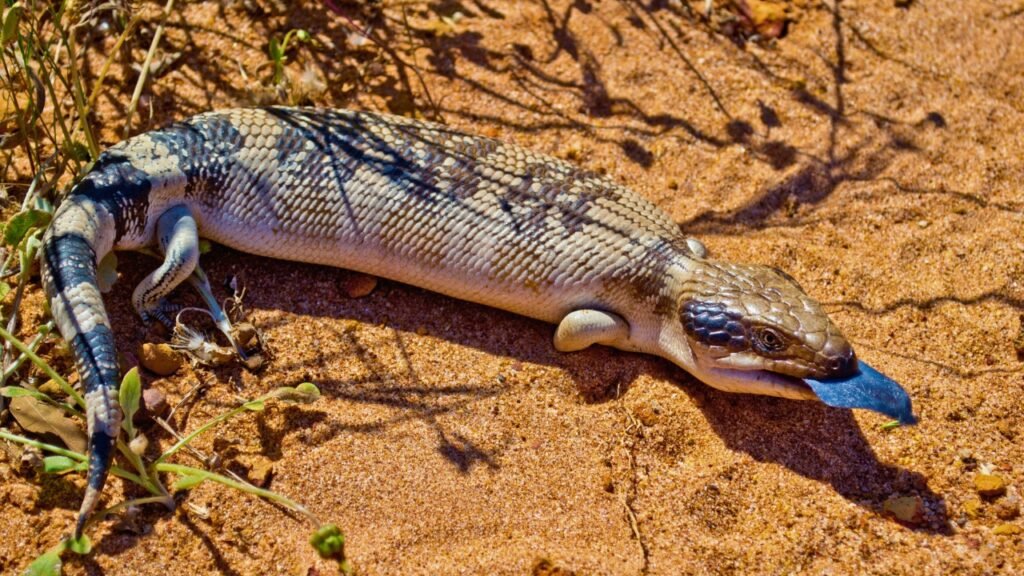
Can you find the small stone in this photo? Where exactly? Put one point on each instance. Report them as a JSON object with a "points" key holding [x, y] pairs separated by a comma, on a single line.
{"points": [[1007, 529], [51, 388], [908, 509], [990, 485], [973, 508], [359, 285], [1007, 508], [922, 223], [246, 335], [647, 415], [259, 469], [154, 403], [160, 358], [139, 444]]}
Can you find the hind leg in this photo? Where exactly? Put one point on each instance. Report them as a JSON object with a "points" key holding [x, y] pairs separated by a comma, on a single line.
{"points": [[178, 239]]}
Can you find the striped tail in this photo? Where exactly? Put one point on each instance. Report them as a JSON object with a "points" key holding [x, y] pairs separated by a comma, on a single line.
{"points": [[69, 261]]}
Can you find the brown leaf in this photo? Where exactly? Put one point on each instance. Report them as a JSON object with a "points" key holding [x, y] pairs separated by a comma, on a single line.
{"points": [[39, 417]]}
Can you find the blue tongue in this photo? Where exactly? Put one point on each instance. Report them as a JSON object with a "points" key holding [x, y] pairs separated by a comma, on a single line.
{"points": [[868, 389]]}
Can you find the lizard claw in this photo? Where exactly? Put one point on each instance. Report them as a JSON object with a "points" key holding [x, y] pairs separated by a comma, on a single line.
{"points": [[161, 313]]}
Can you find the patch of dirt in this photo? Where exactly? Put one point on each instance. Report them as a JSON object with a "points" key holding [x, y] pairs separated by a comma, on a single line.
{"points": [[874, 152]]}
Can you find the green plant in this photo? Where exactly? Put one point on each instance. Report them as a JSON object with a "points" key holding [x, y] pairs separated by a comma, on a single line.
{"points": [[277, 49], [47, 142], [147, 473]]}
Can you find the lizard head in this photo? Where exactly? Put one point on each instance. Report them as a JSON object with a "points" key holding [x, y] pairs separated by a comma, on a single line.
{"points": [[753, 329]]}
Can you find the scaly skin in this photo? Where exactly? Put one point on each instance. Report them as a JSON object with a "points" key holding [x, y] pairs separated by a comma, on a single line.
{"points": [[420, 203]]}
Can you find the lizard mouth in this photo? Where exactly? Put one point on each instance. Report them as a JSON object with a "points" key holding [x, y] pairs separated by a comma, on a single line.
{"points": [[867, 389]]}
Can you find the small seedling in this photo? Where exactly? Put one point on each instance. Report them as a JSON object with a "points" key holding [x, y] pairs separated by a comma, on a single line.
{"points": [[890, 425], [278, 51]]}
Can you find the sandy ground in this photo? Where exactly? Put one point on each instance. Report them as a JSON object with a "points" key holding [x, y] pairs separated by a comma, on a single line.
{"points": [[875, 152]]}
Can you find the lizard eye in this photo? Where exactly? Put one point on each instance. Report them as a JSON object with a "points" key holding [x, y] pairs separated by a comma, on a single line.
{"points": [[769, 340]]}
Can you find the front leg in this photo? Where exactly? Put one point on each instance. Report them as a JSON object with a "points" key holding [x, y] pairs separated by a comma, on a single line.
{"points": [[583, 328]]}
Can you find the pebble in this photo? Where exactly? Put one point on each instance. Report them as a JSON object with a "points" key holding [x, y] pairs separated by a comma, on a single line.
{"points": [[139, 444], [967, 459], [647, 415], [259, 469], [973, 508], [1007, 508], [246, 336], [908, 509], [1007, 529], [160, 358], [51, 389], [359, 285], [990, 485], [154, 402]]}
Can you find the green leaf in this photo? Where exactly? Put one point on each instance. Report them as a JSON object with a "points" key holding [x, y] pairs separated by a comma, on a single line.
{"points": [[28, 250], [302, 35], [205, 246], [5, 289], [329, 542], [22, 222], [890, 425], [12, 16], [189, 482], [80, 546], [60, 464], [305, 393], [47, 564], [275, 50], [106, 272], [18, 392], [129, 395], [254, 405], [39, 417]]}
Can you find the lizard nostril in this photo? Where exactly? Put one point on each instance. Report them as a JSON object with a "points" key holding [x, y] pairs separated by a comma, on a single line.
{"points": [[843, 364]]}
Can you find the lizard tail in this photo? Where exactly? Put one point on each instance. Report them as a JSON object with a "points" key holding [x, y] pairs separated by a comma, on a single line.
{"points": [[71, 249]]}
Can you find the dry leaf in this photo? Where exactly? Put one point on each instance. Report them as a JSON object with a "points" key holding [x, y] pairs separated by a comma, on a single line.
{"points": [[42, 418]]}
